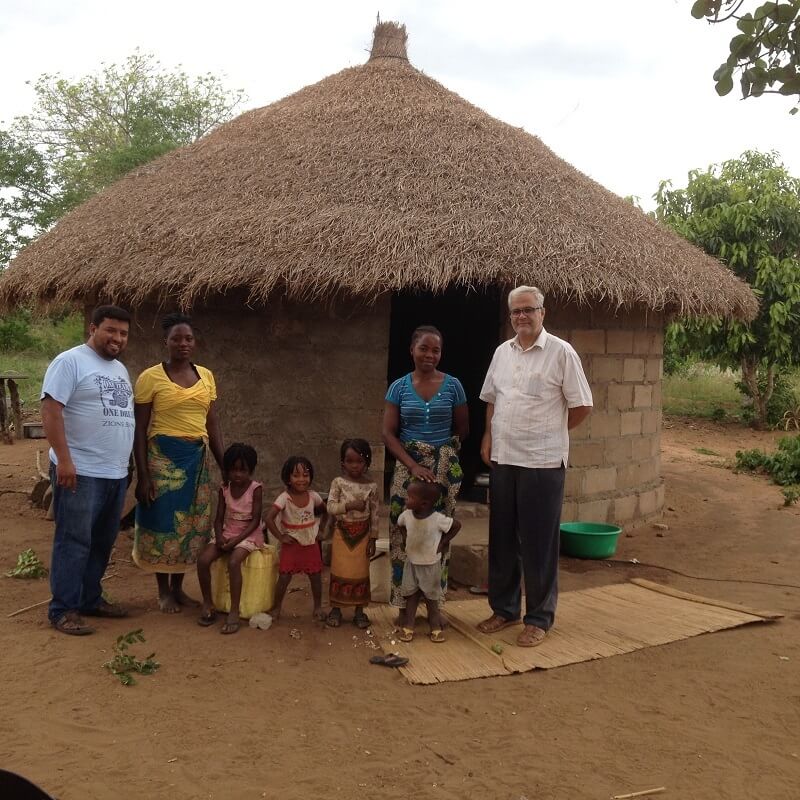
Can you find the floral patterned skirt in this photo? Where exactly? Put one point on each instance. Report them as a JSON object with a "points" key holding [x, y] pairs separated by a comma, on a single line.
{"points": [[172, 530], [443, 462]]}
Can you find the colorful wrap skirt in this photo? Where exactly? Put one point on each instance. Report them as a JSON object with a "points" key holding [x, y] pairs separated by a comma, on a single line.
{"points": [[350, 563], [443, 462], [171, 531]]}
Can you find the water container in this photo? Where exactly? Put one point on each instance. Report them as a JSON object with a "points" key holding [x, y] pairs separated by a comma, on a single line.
{"points": [[259, 576], [380, 573]]}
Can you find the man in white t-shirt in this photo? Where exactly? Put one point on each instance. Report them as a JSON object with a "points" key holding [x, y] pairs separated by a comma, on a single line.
{"points": [[535, 391], [87, 413]]}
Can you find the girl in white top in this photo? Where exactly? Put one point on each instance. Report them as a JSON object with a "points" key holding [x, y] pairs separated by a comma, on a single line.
{"points": [[294, 520]]}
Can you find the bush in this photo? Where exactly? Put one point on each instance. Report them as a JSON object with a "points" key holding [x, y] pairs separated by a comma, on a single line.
{"points": [[783, 398], [783, 466], [16, 333]]}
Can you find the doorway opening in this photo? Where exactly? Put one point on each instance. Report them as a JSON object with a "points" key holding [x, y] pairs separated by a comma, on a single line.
{"points": [[471, 323]]}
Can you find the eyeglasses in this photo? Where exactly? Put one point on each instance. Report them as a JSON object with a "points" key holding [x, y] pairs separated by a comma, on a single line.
{"points": [[525, 312]]}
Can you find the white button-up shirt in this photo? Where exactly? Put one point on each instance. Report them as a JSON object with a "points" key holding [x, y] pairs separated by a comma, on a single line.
{"points": [[531, 391]]}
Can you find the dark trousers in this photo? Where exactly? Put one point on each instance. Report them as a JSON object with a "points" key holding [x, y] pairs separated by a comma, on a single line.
{"points": [[524, 522], [87, 524]]}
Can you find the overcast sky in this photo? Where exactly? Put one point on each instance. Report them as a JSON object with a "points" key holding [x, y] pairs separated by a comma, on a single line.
{"points": [[622, 89]]}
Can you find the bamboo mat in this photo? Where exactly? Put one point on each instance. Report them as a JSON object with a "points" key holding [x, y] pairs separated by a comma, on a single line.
{"points": [[591, 623]]}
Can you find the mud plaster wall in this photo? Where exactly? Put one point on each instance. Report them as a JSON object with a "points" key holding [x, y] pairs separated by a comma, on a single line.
{"points": [[291, 378], [615, 456]]}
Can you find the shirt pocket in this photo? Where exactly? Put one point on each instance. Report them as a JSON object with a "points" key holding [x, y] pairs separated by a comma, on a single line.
{"points": [[533, 384]]}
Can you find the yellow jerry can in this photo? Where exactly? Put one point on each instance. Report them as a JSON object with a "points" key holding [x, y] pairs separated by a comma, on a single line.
{"points": [[259, 576]]}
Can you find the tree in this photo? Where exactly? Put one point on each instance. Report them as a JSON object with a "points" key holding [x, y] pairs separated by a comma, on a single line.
{"points": [[765, 54], [83, 135], [746, 212]]}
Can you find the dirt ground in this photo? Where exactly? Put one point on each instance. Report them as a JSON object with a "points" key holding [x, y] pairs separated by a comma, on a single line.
{"points": [[266, 715]]}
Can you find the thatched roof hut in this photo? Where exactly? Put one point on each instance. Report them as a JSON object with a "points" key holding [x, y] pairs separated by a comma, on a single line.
{"points": [[373, 180], [310, 236]]}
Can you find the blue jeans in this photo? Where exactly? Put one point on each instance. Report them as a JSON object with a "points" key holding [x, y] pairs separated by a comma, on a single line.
{"points": [[87, 524]]}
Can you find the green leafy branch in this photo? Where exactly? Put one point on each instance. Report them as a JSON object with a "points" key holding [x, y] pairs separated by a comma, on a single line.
{"points": [[28, 566], [124, 664], [766, 51]]}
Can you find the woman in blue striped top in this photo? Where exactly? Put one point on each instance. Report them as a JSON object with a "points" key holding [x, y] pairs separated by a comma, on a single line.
{"points": [[424, 422]]}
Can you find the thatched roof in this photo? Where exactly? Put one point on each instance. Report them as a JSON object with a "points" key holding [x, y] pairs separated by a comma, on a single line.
{"points": [[372, 180]]}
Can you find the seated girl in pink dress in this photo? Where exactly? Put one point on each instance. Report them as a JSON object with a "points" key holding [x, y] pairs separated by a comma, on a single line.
{"points": [[238, 531], [294, 520]]}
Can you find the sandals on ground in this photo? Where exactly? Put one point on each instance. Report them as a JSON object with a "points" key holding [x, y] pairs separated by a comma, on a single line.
{"points": [[207, 619], [437, 636], [405, 634], [72, 624], [106, 609]]}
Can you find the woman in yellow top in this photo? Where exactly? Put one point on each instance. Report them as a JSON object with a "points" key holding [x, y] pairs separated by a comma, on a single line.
{"points": [[176, 426]]}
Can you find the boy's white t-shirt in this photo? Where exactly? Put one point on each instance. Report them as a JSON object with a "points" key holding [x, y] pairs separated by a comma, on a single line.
{"points": [[423, 536], [98, 410]]}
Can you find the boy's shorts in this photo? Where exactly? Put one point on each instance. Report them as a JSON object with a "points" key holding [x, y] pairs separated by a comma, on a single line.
{"points": [[426, 578]]}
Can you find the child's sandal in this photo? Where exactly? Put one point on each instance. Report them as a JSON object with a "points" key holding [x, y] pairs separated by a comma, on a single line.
{"points": [[405, 634], [437, 636]]}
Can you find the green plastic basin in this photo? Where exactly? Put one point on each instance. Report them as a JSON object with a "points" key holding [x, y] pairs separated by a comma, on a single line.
{"points": [[589, 539]]}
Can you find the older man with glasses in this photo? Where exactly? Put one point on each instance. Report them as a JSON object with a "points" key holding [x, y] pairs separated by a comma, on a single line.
{"points": [[535, 391]]}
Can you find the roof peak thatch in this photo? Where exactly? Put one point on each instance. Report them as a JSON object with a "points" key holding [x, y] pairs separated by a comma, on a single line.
{"points": [[376, 179], [389, 41]]}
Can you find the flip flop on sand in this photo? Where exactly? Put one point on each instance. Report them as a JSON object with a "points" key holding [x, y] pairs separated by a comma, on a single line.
{"points": [[207, 619], [390, 660]]}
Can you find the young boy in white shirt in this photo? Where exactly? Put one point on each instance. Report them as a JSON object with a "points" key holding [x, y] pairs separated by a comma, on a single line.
{"points": [[427, 535]]}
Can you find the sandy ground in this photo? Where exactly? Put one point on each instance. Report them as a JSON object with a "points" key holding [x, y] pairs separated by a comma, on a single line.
{"points": [[262, 714]]}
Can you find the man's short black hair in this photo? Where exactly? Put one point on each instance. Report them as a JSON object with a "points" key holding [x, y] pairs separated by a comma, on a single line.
{"points": [[110, 312]]}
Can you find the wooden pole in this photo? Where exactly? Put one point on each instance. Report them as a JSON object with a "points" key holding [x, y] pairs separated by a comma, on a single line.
{"points": [[643, 793], [16, 407], [4, 433]]}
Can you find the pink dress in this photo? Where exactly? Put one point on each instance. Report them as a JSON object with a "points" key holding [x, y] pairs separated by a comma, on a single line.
{"points": [[238, 515]]}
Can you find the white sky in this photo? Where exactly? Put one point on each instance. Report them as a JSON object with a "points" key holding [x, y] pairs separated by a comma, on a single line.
{"points": [[622, 89]]}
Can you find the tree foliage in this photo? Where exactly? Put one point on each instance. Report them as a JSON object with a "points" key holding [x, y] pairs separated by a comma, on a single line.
{"points": [[765, 54], [746, 212], [83, 135]]}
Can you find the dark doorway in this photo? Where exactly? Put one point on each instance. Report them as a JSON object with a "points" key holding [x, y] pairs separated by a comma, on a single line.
{"points": [[470, 322]]}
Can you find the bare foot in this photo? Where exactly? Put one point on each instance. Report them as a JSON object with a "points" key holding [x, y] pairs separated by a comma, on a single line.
{"points": [[168, 604], [319, 615], [183, 599], [275, 613]]}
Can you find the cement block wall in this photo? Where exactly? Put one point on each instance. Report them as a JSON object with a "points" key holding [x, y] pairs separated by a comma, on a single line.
{"points": [[292, 378], [302, 377], [615, 466]]}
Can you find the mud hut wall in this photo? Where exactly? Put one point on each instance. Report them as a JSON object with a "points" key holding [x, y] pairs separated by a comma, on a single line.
{"points": [[291, 378], [615, 467]]}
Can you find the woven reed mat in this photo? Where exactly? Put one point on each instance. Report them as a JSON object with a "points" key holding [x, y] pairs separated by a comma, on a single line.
{"points": [[591, 623]]}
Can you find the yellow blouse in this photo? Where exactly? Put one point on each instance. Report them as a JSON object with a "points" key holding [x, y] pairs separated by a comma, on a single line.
{"points": [[176, 411]]}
